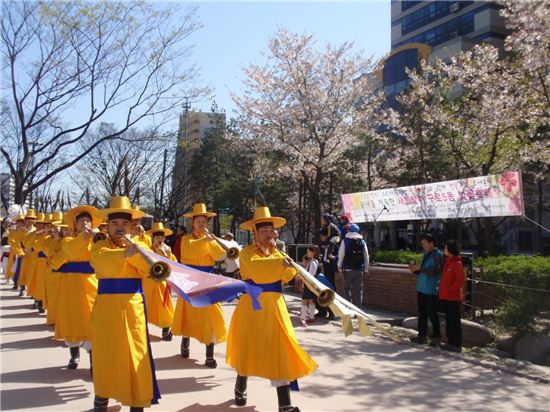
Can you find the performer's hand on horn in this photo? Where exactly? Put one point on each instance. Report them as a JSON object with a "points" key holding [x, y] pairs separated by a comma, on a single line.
{"points": [[88, 231], [130, 250]]}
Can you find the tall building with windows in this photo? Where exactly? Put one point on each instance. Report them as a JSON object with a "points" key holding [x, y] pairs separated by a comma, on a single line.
{"points": [[193, 128], [435, 29]]}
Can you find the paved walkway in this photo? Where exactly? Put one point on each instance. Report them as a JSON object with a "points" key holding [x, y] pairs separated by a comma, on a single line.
{"points": [[355, 374]]}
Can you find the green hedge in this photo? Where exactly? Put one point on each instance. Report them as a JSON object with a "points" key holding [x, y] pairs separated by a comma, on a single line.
{"points": [[518, 308], [396, 256]]}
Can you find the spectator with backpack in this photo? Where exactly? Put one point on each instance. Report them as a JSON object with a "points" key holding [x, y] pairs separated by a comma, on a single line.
{"points": [[353, 262]]}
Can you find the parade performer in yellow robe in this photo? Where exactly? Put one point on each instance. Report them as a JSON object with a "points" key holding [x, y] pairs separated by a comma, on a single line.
{"points": [[38, 280], [138, 232], [207, 324], [122, 362], [55, 258], [32, 220], [30, 242], [262, 343], [160, 309], [78, 286], [16, 249]]}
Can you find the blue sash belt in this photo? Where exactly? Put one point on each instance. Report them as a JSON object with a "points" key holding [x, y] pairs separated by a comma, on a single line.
{"points": [[119, 286], [76, 267], [42, 255], [276, 287], [207, 269], [113, 286]]}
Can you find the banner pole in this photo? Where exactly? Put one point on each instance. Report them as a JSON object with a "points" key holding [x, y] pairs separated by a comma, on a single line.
{"points": [[536, 223]]}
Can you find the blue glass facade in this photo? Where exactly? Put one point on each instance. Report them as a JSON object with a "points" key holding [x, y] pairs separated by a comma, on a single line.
{"points": [[459, 26], [449, 30], [394, 74], [428, 14]]}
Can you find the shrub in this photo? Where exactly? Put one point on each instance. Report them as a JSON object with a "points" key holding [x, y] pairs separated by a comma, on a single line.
{"points": [[519, 307], [396, 256]]}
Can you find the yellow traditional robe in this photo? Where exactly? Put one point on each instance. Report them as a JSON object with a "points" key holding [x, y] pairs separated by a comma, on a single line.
{"points": [[158, 302], [30, 257], [37, 283], [207, 324], [262, 343], [56, 258], [77, 293], [122, 361], [16, 249]]}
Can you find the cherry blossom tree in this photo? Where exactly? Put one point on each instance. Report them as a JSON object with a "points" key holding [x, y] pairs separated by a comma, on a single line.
{"points": [[308, 105]]}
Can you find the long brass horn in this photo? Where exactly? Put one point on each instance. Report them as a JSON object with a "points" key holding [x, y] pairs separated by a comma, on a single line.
{"points": [[232, 251], [325, 295], [158, 270], [99, 236]]}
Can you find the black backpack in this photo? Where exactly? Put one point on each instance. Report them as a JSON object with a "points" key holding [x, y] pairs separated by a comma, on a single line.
{"points": [[353, 258]]}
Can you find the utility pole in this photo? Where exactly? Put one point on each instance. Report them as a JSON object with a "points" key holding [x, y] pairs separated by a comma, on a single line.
{"points": [[163, 178], [186, 108]]}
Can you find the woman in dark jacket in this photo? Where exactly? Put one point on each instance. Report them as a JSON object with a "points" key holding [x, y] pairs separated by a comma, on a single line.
{"points": [[450, 295]]}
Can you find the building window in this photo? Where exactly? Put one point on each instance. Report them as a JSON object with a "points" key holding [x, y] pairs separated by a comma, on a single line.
{"points": [[394, 72], [405, 5], [432, 12], [440, 34]]}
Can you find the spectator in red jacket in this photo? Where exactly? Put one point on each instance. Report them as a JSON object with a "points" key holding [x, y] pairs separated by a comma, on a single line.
{"points": [[450, 295]]}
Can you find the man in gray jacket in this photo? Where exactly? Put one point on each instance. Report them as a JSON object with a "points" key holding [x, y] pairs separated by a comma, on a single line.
{"points": [[353, 261]]}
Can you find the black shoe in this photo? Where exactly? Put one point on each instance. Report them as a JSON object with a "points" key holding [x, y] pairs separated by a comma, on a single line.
{"points": [[135, 409], [100, 404], [73, 363], [35, 305], [434, 341], [166, 334], [451, 348], [75, 358], [21, 292], [40, 306], [184, 348], [210, 361], [15, 286], [419, 339], [283, 397], [240, 390]]}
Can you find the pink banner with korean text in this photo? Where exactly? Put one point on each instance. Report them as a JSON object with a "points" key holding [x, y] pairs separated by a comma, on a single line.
{"points": [[484, 196]]}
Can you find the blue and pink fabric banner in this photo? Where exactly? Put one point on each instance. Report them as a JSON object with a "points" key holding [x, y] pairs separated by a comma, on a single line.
{"points": [[201, 289]]}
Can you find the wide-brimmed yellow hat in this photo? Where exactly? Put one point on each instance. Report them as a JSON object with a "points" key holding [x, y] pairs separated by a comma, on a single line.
{"points": [[199, 209], [261, 215], [48, 218], [57, 217], [31, 214], [20, 217], [40, 218], [120, 204], [62, 223], [159, 227], [70, 216]]}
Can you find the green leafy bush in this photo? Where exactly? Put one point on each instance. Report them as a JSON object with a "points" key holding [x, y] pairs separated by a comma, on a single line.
{"points": [[396, 256], [518, 308]]}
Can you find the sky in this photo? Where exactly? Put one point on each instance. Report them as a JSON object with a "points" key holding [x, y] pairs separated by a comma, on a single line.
{"points": [[236, 34]]}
